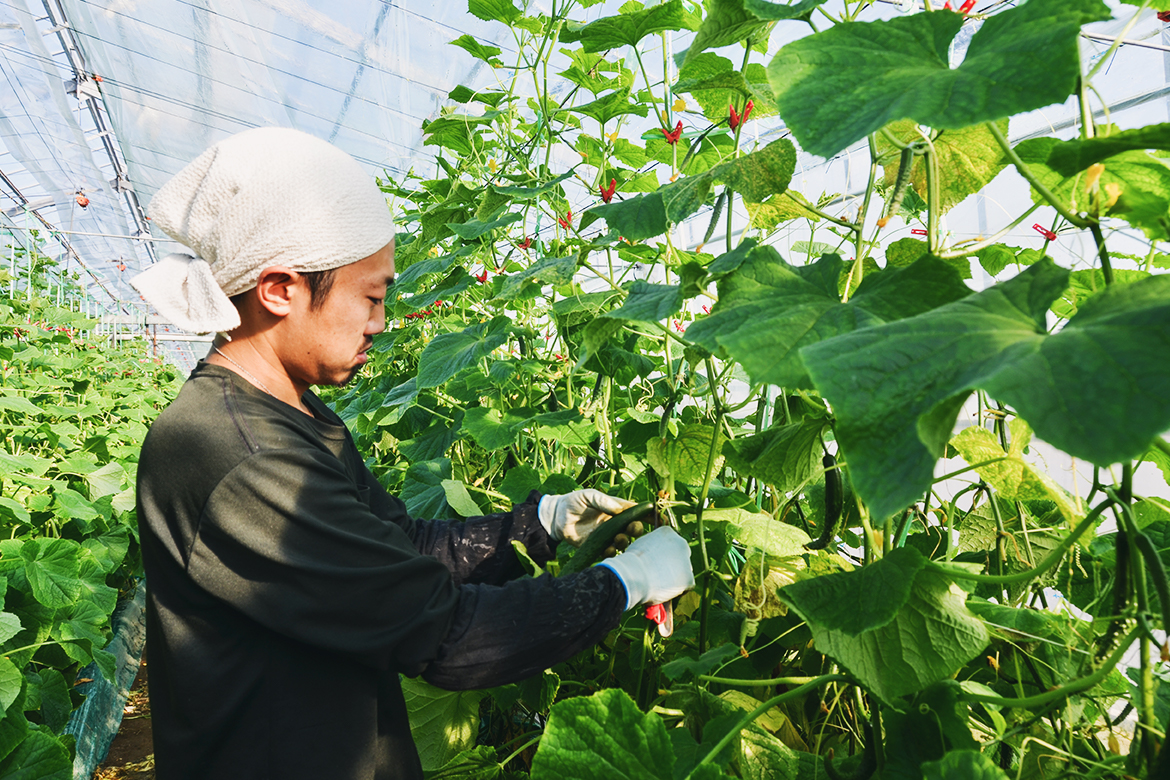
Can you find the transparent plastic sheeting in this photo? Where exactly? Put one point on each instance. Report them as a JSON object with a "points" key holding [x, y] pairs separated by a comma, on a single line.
{"points": [[179, 75], [45, 152]]}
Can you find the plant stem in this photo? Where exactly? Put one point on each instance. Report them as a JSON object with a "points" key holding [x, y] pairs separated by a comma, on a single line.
{"points": [[809, 207], [1046, 564], [746, 720], [971, 249], [704, 605], [1103, 253], [1030, 177], [1076, 686]]}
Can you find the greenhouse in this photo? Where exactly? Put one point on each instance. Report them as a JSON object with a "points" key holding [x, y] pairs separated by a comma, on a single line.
{"points": [[677, 389]]}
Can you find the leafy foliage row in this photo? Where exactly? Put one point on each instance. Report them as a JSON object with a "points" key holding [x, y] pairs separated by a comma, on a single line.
{"points": [[553, 334], [73, 413]]}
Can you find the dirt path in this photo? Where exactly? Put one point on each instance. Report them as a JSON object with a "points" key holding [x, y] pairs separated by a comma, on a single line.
{"points": [[131, 755]]}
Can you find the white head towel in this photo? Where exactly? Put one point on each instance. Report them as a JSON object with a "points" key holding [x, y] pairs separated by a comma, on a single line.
{"points": [[263, 197]]}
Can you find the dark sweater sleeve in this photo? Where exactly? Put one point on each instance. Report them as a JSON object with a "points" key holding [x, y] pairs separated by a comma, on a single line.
{"points": [[477, 550], [316, 563], [502, 635]]}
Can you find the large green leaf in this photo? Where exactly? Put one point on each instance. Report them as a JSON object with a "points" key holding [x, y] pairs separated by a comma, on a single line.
{"points": [[41, 756], [489, 54], [474, 228], [493, 429], [727, 22], [422, 488], [549, 270], [636, 218], [783, 456], [9, 627], [1099, 389], [1071, 157], [450, 353], [517, 192], [442, 723], [762, 173], [627, 29], [1014, 478], [963, 765], [494, 10], [604, 736], [1135, 185], [685, 457], [10, 682], [614, 104], [649, 302], [840, 85], [52, 567], [765, 9], [768, 310], [967, 160], [459, 499], [106, 481], [895, 625]]}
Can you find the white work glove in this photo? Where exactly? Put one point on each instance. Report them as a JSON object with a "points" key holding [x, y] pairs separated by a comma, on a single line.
{"points": [[655, 568], [573, 516]]}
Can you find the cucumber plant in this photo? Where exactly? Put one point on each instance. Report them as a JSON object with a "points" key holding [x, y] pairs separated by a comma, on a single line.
{"points": [[554, 330], [73, 413]]}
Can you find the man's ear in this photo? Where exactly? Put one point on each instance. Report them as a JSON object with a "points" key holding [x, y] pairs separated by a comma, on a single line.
{"points": [[277, 288]]}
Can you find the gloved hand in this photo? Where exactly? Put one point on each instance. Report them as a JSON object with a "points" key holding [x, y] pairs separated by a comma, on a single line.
{"points": [[655, 568], [573, 516]]}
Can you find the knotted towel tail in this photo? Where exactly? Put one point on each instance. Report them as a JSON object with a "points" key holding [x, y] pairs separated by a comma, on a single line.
{"points": [[184, 291]]}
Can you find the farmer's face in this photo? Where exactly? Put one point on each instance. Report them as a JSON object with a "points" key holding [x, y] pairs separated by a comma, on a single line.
{"points": [[333, 339]]}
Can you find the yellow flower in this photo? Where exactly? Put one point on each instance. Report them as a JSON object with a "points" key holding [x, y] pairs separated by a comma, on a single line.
{"points": [[680, 105], [492, 165]]}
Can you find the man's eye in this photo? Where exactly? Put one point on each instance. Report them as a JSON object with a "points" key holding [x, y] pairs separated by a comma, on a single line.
{"points": [[377, 301]]}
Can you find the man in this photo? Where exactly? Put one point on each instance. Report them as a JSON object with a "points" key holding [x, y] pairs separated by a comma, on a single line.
{"points": [[287, 589]]}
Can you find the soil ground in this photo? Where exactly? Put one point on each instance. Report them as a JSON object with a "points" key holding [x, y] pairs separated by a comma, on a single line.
{"points": [[131, 755]]}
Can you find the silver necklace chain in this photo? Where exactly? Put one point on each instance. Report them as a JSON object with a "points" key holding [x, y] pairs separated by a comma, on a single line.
{"points": [[244, 371]]}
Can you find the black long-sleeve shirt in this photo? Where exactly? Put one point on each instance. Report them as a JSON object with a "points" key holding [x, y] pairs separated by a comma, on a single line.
{"points": [[288, 590]]}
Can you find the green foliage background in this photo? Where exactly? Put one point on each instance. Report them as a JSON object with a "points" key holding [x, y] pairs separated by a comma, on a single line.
{"points": [[550, 333]]}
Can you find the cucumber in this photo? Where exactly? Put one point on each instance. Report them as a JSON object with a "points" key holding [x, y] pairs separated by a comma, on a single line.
{"points": [[595, 544]]}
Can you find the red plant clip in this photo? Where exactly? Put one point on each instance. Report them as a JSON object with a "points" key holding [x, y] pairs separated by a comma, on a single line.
{"points": [[706, 309], [947, 6], [527, 242], [966, 6], [733, 120], [656, 613], [607, 195], [1048, 234], [918, 232], [566, 221], [672, 138], [1164, 16], [678, 326], [747, 110], [481, 278]]}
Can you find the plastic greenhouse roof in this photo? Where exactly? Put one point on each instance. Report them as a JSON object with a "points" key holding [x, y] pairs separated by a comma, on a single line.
{"points": [[172, 77]]}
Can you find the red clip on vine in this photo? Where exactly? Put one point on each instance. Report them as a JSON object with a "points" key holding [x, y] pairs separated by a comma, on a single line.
{"points": [[918, 232], [527, 242], [1048, 234], [672, 137], [735, 120], [566, 221], [607, 195], [966, 7], [481, 278]]}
